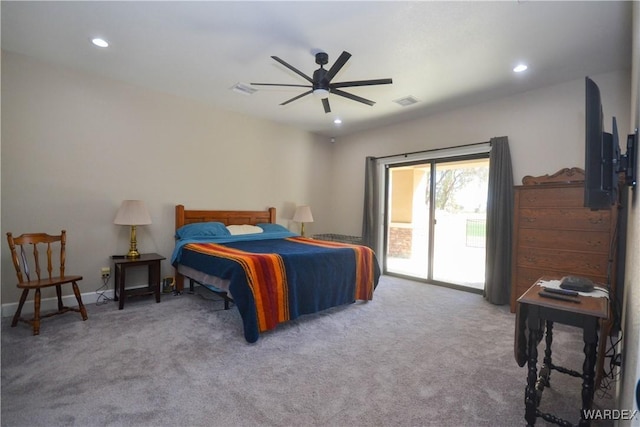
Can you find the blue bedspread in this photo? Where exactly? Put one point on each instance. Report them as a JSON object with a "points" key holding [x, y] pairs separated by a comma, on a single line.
{"points": [[275, 280]]}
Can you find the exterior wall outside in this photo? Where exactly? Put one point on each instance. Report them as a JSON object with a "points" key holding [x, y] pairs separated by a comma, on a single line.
{"points": [[400, 241]]}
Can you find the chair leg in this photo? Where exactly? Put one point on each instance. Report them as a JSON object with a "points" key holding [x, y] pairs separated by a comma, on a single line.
{"points": [[59, 295], [76, 292], [16, 316], [36, 313]]}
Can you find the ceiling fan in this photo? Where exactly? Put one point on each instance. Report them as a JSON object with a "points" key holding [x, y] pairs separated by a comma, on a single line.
{"points": [[321, 84]]}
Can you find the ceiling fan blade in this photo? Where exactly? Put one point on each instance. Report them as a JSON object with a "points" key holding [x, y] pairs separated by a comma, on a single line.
{"points": [[361, 83], [294, 69], [351, 96], [342, 59], [325, 104], [277, 84], [297, 97]]}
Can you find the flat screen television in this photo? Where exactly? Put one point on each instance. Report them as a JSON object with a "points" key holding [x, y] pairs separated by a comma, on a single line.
{"points": [[604, 165], [602, 157]]}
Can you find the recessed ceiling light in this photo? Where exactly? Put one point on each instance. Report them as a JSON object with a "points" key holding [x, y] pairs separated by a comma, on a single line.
{"points": [[520, 68], [99, 42], [337, 121]]}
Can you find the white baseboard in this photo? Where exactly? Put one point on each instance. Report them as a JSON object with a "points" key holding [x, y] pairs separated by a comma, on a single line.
{"points": [[51, 304]]}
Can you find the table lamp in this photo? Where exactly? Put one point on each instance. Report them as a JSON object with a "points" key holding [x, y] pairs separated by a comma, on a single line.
{"points": [[133, 213], [302, 215]]}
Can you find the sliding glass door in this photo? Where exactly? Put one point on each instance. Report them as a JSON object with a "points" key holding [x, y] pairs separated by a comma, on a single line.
{"points": [[408, 225], [435, 220]]}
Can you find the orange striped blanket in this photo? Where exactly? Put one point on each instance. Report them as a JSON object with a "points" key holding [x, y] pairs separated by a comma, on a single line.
{"points": [[276, 280]]}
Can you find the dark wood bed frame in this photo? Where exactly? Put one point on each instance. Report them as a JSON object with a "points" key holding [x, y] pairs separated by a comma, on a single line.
{"points": [[184, 216]]}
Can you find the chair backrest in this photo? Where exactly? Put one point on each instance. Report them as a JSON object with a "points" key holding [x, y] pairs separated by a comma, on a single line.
{"points": [[29, 250]]}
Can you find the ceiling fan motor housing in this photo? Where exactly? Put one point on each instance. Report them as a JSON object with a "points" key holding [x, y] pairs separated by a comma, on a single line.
{"points": [[322, 58], [319, 80]]}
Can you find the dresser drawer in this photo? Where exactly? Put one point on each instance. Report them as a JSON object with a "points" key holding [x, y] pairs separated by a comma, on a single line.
{"points": [[576, 240], [551, 197], [578, 263], [564, 218]]}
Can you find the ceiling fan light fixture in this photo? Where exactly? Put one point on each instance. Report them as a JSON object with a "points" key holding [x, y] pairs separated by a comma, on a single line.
{"points": [[321, 93]]}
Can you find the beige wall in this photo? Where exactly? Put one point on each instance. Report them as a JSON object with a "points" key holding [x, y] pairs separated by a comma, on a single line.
{"points": [[545, 129], [631, 320], [75, 145]]}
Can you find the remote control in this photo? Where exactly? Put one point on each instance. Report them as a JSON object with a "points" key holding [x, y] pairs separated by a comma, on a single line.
{"points": [[558, 296], [562, 292]]}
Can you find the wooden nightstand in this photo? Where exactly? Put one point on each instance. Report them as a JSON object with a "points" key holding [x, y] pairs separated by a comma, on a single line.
{"points": [[152, 261]]}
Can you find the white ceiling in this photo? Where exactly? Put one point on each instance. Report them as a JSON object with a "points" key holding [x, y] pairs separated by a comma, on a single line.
{"points": [[445, 54]]}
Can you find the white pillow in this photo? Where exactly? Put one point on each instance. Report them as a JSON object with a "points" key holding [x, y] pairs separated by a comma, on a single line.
{"points": [[244, 229]]}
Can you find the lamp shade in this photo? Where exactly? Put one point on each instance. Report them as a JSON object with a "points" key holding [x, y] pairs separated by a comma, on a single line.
{"points": [[132, 212], [303, 214]]}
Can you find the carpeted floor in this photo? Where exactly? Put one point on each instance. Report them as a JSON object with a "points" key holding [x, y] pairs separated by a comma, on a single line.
{"points": [[417, 355]]}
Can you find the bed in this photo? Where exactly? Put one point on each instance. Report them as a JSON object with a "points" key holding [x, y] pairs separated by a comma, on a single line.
{"points": [[271, 274]]}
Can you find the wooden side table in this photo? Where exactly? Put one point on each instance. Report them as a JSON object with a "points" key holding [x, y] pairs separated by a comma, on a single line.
{"points": [[152, 261], [535, 315]]}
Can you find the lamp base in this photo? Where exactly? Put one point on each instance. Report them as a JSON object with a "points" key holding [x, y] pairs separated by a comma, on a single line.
{"points": [[133, 246], [133, 254]]}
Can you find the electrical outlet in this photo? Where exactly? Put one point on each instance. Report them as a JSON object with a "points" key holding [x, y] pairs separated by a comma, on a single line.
{"points": [[105, 272]]}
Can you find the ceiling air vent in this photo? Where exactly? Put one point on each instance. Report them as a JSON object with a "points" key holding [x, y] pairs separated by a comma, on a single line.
{"points": [[406, 101], [243, 88]]}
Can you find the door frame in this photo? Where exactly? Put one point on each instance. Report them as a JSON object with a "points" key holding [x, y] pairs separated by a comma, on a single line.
{"points": [[384, 163]]}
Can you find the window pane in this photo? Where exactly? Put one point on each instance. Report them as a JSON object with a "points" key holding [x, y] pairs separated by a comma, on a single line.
{"points": [[460, 215]]}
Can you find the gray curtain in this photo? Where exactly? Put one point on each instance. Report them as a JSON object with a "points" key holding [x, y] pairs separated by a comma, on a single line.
{"points": [[370, 212], [497, 288]]}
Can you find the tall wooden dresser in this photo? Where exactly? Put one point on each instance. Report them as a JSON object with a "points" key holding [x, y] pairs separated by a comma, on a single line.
{"points": [[555, 235]]}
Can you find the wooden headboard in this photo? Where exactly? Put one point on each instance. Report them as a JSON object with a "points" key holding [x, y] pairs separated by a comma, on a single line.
{"points": [[184, 216]]}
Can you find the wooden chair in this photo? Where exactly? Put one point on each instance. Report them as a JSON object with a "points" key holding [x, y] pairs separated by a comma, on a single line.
{"points": [[21, 254]]}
